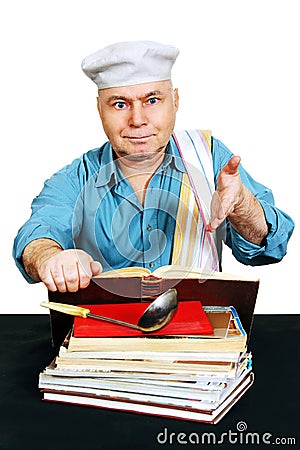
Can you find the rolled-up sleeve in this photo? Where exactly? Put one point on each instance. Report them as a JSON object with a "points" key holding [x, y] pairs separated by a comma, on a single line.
{"points": [[52, 214], [280, 225]]}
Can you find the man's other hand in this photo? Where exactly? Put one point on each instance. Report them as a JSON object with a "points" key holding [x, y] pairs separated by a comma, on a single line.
{"points": [[227, 195], [60, 270], [68, 270], [234, 201]]}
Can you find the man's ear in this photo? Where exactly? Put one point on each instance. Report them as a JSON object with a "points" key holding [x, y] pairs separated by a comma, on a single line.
{"points": [[176, 98], [98, 106]]}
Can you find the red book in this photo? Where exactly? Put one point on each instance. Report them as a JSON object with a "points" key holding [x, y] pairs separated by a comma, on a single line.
{"points": [[190, 318]]}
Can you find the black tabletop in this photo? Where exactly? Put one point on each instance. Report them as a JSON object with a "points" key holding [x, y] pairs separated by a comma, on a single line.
{"points": [[267, 414]]}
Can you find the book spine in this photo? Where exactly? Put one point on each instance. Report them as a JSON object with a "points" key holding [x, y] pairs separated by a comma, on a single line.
{"points": [[151, 287]]}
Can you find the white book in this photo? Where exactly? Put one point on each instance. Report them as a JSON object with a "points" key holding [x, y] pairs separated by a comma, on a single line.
{"points": [[209, 416]]}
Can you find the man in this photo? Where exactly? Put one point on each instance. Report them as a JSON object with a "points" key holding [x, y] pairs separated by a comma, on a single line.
{"points": [[126, 203]]}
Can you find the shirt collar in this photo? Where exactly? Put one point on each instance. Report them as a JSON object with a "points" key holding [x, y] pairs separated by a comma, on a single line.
{"points": [[108, 167], [173, 157]]}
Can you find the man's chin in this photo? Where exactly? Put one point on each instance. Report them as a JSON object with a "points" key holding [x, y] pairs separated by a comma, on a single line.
{"points": [[139, 155]]}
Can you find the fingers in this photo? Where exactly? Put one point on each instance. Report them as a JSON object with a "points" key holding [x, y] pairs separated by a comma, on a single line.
{"points": [[96, 268], [231, 168], [52, 280], [215, 222], [72, 275], [69, 270], [62, 278], [217, 213], [227, 194]]}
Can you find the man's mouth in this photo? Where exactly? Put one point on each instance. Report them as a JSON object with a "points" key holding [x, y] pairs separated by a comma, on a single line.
{"points": [[138, 138]]}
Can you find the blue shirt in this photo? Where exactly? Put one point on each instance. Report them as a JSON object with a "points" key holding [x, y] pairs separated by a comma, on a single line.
{"points": [[89, 204]]}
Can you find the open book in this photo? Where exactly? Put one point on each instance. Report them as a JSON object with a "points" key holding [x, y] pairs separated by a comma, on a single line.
{"points": [[168, 271]]}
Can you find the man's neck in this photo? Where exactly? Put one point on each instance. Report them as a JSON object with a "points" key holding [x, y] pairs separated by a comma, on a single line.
{"points": [[133, 165], [139, 169]]}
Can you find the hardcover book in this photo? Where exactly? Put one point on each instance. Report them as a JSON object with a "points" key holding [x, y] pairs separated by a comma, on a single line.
{"points": [[190, 318]]}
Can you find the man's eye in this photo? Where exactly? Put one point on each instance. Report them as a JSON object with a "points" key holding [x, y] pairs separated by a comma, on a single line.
{"points": [[152, 100], [119, 105]]}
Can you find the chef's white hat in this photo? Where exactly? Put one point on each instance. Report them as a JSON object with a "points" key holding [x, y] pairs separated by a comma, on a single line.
{"points": [[129, 63]]}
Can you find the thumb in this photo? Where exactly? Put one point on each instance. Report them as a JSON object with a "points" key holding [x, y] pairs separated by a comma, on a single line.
{"points": [[96, 268], [232, 166]]}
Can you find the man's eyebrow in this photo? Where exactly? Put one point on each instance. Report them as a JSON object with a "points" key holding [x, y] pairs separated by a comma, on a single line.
{"points": [[153, 93], [114, 98]]}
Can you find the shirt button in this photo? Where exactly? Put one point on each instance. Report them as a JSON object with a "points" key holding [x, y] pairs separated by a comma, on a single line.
{"points": [[148, 227], [151, 265]]}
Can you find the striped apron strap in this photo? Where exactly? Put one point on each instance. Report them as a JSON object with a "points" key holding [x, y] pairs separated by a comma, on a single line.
{"points": [[193, 245]]}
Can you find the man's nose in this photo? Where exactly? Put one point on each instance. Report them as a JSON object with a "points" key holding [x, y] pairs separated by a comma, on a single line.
{"points": [[138, 116]]}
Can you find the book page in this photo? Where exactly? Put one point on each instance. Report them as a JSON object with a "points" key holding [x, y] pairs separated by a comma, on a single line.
{"points": [[177, 271], [170, 271], [125, 272]]}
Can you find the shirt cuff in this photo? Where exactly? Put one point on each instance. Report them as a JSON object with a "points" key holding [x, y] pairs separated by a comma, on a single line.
{"points": [[39, 232], [273, 246]]}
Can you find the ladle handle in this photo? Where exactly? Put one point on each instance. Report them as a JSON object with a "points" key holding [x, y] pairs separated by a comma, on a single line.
{"points": [[84, 312], [67, 309], [115, 321]]}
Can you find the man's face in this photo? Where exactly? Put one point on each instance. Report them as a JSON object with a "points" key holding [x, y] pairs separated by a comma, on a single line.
{"points": [[138, 119]]}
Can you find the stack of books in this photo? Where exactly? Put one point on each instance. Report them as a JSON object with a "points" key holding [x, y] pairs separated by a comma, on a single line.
{"points": [[195, 368]]}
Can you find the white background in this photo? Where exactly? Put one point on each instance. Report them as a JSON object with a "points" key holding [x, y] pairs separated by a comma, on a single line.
{"points": [[238, 74]]}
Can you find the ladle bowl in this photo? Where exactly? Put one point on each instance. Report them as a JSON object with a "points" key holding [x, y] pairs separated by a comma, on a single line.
{"points": [[159, 313]]}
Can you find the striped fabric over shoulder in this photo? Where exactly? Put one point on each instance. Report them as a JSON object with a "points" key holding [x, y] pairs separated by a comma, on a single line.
{"points": [[193, 246]]}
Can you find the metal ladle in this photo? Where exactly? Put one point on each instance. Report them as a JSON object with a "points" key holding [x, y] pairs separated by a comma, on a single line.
{"points": [[158, 314]]}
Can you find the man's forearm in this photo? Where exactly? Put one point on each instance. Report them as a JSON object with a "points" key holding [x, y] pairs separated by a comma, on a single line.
{"points": [[248, 218], [37, 252]]}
